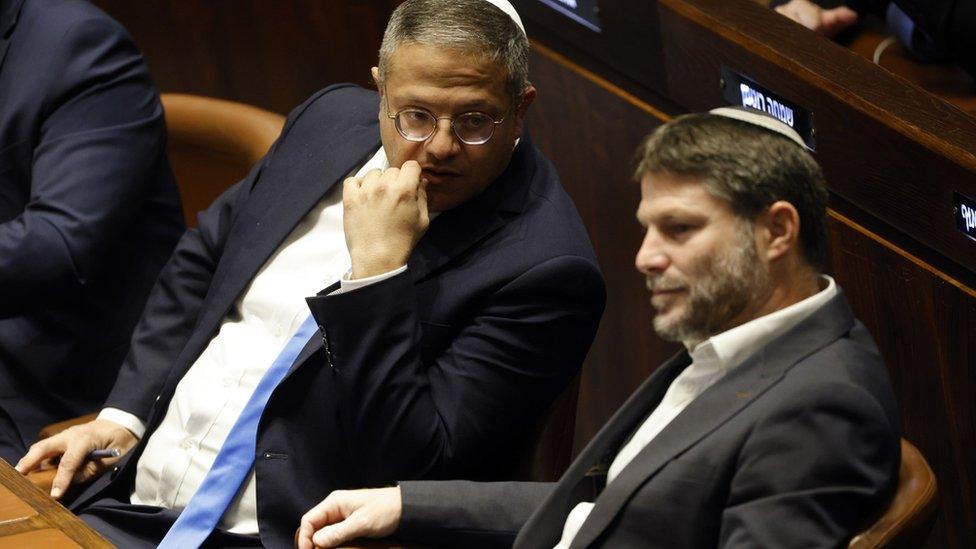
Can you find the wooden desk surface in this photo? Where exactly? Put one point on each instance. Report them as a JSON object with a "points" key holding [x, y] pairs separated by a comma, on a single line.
{"points": [[947, 81], [30, 518]]}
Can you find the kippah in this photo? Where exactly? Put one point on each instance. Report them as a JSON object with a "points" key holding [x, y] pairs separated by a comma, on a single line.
{"points": [[509, 9], [761, 119]]}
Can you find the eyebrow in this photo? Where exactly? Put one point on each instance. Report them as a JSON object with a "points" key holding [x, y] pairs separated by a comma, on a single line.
{"points": [[479, 105]]}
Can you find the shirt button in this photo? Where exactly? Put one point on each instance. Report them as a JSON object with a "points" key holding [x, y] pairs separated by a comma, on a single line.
{"points": [[188, 444], [229, 381]]}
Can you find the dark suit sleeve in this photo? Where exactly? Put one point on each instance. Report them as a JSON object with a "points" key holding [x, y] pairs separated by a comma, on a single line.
{"points": [[96, 156], [951, 24], [813, 473], [470, 514], [405, 419]]}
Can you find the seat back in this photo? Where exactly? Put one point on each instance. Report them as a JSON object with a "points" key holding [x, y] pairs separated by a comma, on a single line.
{"points": [[909, 516], [550, 448], [213, 144]]}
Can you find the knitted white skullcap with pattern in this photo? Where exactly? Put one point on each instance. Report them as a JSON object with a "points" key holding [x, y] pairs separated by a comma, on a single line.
{"points": [[761, 119]]}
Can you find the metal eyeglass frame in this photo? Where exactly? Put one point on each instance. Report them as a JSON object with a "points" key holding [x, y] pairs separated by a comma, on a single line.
{"points": [[396, 123]]}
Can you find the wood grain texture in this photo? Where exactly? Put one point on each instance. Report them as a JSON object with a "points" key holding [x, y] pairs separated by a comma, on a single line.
{"points": [[875, 132], [270, 53], [68, 530], [590, 131]]}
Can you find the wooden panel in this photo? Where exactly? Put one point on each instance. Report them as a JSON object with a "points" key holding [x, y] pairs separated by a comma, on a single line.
{"points": [[629, 42], [269, 53], [924, 323], [12, 507], [51, 525], [589, 129], [47, 538], [874, 130]]}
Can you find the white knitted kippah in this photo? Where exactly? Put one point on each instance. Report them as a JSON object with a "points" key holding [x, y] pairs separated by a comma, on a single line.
{"points": [[509, 9], [761, 119]]}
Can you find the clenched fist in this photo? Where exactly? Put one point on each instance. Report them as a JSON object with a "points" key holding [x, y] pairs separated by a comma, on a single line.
{"points": [[385, 214]]}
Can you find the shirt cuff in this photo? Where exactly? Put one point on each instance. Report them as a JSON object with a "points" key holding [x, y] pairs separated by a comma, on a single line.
{"points": [[347, 285], [124, 419]]}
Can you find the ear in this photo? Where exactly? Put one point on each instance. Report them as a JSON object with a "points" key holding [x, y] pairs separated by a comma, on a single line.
{"points": [[527, 98], [778, 229], [375, 72]]}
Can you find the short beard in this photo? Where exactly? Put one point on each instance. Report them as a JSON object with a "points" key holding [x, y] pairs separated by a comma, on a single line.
{"points": [[730, 283]]}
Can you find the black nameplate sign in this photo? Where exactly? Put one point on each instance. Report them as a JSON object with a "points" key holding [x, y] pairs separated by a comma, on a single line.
{"points": [[744, 92], [584, 12], [965, 215]]}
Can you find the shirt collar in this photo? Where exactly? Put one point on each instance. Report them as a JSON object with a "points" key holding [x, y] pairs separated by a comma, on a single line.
{"points": [[732, 347]]}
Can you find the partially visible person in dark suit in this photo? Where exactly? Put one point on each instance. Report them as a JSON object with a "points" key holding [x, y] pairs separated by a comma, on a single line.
{"points": [[933, 30], [777, 427], [89, 211], [399, 289]]}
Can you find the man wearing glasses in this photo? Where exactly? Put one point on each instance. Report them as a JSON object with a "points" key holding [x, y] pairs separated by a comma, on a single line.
{"points": [[398, 290]]}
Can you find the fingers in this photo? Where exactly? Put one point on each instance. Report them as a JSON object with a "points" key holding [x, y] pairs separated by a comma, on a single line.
{"points": [[71, 466], [337, 534], [837, 20], [323, 514], [410, 173], [803, 12], [40, 451]]}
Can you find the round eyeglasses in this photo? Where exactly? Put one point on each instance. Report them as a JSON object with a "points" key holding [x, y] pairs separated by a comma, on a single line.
{"points": [[471, 128]]}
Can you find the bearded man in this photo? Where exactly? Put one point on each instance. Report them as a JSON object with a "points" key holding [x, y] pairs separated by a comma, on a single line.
{"points": [[777, 427]]}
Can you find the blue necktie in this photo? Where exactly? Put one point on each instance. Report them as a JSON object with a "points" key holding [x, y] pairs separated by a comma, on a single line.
{"points": [[236, 456]]}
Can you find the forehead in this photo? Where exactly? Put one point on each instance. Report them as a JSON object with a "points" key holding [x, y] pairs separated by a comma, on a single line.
{"points": [[664, 194], [418, 72]]}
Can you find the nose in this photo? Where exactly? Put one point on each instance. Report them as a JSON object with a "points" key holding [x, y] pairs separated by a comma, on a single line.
{"points": [[652, 258], [443, 143]]}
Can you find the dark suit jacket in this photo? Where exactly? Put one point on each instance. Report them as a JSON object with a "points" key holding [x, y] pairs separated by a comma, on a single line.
{"points": [[797, 447], [88, 209], [433, 373]]}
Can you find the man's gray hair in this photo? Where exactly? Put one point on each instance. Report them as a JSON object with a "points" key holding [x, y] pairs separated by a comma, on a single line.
{"points": [[470, 26], [748, 166]]}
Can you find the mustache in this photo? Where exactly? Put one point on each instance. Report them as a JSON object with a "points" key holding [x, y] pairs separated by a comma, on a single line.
{"points": [[663, 283]]}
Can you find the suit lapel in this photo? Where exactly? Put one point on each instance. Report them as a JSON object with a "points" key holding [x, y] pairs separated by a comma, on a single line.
{"points": [[274, 210], [717, 405], [9, 12], [574, 486]]}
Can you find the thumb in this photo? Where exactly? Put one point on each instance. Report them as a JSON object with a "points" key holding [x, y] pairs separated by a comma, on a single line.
{"points": [[335, 534]]}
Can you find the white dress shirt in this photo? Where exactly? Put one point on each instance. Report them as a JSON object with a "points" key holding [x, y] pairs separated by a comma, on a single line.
{"points": [[710, 361], [213, 393]]}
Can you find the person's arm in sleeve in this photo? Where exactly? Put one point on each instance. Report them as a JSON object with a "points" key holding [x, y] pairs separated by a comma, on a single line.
{"points": [[97, 153], [446, 513], [503, 366]]}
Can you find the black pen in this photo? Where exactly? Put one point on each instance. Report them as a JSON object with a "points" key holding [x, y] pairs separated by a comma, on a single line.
{"points": [[105, 453]]}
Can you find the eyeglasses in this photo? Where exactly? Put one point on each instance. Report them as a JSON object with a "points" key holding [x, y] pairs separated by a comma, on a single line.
{"points": [[471, 128]]}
